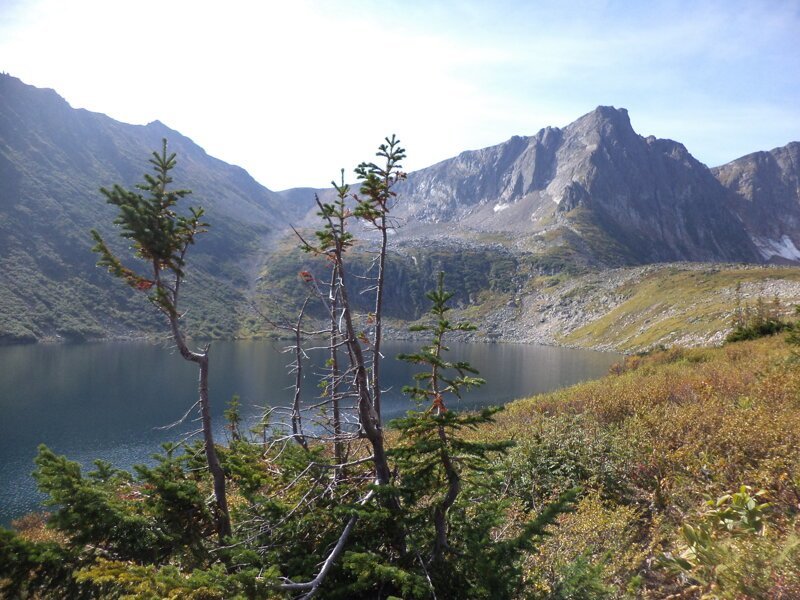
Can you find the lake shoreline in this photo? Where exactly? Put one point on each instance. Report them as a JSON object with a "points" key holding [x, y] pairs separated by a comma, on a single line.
{"points": [[110, 400], [390, 334]]}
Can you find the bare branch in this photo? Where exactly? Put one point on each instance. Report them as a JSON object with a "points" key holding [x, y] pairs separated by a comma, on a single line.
{"points": [[314, 585], [179, 421], [352, 463]]}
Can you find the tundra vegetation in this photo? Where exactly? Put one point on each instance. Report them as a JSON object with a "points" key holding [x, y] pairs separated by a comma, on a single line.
{"points": [[676, 476]]}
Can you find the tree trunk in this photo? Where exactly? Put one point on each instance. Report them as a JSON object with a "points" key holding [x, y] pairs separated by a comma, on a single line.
{"points": [[441, 510], [370, 420], [297, 422], [376, 341], [338, 449], [222, 516]]}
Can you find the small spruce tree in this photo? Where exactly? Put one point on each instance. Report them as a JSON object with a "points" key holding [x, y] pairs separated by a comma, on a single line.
{"points": [[161, 238], [437, 461]]}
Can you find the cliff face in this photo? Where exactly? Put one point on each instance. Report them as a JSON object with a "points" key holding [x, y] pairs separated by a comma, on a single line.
{"points": [[766, 197], [647, 195]]}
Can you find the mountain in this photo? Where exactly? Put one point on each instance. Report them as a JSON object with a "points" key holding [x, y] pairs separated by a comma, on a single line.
{"points": [[596, 186], [499, 221], [53, 159], [569, 201], [766, 188]]}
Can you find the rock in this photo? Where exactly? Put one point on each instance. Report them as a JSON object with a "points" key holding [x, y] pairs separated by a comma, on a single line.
{"points": [[611, 195]]}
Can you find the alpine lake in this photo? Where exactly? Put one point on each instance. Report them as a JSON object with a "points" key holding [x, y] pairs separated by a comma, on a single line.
{"points": [[112, 400]]}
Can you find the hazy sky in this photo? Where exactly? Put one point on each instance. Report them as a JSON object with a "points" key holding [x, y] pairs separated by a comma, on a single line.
{"points": [[294, 90]]}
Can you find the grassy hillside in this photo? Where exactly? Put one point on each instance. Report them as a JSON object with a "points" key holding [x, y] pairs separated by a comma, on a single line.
{"points": [[684, 305], [650, 444], [660, 449], [53, 160]]}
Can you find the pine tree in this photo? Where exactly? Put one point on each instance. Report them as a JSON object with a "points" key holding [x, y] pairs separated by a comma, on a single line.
{"points": [[161, 238], [437, 462], [374, 203]]}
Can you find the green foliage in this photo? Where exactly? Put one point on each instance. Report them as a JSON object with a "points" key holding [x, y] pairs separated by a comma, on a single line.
{"points": [[91, 509], [375, 194], [565, 452], [372, 202], [750, 323], [726, 553], [144, 535], [434, 384], [580, 579], [160, 236], [370, 571], [739, 512], [38, 569], [432, 455], [597, 545], [233, 417], [175, 501], [129, 581], [333, 236]]}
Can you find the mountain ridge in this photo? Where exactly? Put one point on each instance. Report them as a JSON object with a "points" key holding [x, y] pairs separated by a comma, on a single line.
{"points": [[625, 181], [766, 184], [53, 160], [591, 195]]}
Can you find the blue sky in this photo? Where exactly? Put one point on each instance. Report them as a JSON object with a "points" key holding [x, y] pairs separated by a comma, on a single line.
{"points": [[292, 91]]}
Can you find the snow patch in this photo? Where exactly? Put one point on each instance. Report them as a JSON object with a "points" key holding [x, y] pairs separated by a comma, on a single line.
{"points": [[500, 206], [783, 247]]}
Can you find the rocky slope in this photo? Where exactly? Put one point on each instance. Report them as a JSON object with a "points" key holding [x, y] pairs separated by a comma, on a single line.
{"points": [[53, 159], [632, 309], [625, 199], [766, 197]]}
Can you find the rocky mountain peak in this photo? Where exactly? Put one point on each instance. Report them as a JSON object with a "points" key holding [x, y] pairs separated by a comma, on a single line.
{"points": [[605, 124], [646, 197], [604, 119], [765, 185]]}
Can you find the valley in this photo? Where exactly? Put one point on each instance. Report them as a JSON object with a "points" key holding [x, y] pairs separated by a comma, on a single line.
{"points": [[379, 301], [589, 235]]}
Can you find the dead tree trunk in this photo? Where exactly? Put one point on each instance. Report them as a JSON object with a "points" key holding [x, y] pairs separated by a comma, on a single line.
{"points": [[376, 341], [297, 422], [368, 417], [338, 449]]}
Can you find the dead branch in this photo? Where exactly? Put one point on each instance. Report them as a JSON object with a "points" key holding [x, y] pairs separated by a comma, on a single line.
{"points": [[314, 585]]}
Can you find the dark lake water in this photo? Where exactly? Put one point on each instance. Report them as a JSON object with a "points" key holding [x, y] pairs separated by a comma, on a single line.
{"points": [[107, 400]]}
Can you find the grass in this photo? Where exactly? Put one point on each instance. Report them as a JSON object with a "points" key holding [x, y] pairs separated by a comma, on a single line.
{"points": [[673, 305], [650, 444]]}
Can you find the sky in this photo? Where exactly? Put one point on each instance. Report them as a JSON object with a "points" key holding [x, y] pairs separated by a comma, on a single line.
{"points": [[293, 91]]}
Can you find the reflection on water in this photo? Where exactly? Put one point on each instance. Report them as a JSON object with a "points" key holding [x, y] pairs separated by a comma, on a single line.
{"points": [[107, 400]]}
